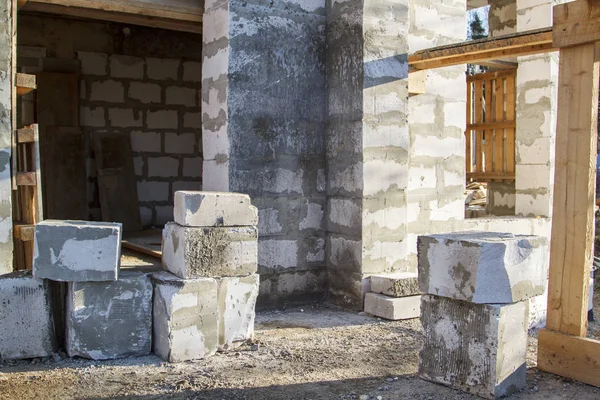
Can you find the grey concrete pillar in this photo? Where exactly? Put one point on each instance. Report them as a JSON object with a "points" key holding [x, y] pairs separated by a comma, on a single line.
{"points": [[437, 120], [263, 126], [6, 84], [367, 143]]}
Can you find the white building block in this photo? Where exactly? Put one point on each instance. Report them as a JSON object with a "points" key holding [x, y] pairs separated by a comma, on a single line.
{"points": [[237, 301], [483, 267], [393, 308], [77, 251], [399, 284], [214, 209], [26, 322], [108, 320], [186, 324], [477, 348], [209, 252]]}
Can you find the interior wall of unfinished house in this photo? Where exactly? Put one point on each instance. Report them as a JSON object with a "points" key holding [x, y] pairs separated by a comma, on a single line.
{"points": [[117, 78]]}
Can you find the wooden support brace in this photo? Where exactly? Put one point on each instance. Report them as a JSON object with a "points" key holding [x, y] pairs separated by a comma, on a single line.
{"points": [[26, 179], [28, 134], [24, 232], [576, 23], [25, 83]]}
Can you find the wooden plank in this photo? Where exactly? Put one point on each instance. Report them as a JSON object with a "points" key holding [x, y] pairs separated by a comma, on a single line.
{"points": [[23, 231], [569, 356], [117, 186], [141, 249], [478, 118], [492, 175], [468, 132], [21, 3], [499, 132], [576, 23], [510, 132], [574, 191], [14, 98], [489, 140], [491, 75], [178, 15], [27, 134], [25, 83], [493, 125], [522, 43], [26, 179]]}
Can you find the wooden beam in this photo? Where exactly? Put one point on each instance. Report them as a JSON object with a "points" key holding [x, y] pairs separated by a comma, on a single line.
{"points": [[174, 15], [573, 220], [25, 83], [576, 23], [28, 134], [523, 43], [569, 356], [21, 3], [26, 179], [23, 231], [141, 249]]}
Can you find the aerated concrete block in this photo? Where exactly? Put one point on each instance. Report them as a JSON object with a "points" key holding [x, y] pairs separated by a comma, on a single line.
{"points": [[26, 320], [477, 348], [214, 209], [393, 308], [399, 284], [186, 324], [77, 251], [209, 252], [483, 267], [237, 301], [110, 319]]}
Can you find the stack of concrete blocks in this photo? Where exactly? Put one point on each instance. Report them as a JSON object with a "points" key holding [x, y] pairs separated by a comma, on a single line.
{"points": [[207, 301], [474, 309], [108, 312], [394, 296]]}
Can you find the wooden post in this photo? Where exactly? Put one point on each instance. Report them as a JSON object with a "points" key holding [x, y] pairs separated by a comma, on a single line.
{"points": [[563, 348]]}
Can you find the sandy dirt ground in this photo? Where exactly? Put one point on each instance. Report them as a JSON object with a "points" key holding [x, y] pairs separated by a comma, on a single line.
{"points": [[311, 353]]}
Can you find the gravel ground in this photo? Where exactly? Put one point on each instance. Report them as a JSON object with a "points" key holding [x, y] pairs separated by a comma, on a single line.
{"points": [[310, 353]]}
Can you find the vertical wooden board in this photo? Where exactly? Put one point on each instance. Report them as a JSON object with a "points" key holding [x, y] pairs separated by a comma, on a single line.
{"points": [[489, 136], [469, 133], [499, 133], [478, 120], [510, 116], [64, 156], [574, 190], [478, 151], [117, 186]]}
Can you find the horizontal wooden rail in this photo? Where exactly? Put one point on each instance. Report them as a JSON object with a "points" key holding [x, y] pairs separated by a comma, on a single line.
{"points": [[23, 231], [26, 179], [491, 125], [522, 43], [28, 134], [25, 83]]}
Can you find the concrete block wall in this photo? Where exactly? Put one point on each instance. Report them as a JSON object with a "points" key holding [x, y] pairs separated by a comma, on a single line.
{"points": [[6, 82], [263, 102], [138, 80], [367, 143], [437, 120], [155, 100]]}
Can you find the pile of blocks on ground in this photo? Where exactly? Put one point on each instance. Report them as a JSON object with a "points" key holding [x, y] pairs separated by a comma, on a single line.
{"points": [[205, 302], [394, 296], [474, 308]]}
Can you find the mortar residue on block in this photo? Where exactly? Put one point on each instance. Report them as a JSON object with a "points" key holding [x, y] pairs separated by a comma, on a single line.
{"points": [[393, 308], [214, 209], [77, 251], [477, 348], [26, 320], [237, 301], [108, 320], [191, 252], [399, 284], [186, 324], [483, 267]]}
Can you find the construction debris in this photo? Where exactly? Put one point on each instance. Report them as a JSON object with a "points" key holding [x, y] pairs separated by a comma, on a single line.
{"points": [[394, 296]]}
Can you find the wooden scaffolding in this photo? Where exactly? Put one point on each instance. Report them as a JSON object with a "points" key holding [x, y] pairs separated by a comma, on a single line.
{"points": [[563, 348]]}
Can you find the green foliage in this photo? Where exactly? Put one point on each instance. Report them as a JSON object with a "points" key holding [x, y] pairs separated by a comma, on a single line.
{"points": [[477, 30]]}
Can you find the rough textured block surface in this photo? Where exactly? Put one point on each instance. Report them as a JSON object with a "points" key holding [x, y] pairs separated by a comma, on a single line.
{"points": [[209, 252], [186, 325], [393, 308], [77, 251], [214, 209], [396, 285], [237, 301], [110, 319], [483, 267], [26, 323], [477, 348]]}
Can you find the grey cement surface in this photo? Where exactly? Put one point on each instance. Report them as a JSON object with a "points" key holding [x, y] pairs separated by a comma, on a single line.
{"points": [[237, 302], [396, 285], [477, 348], [26, 319], [186, 321], [214, 209], [483, 267], [77, 251], [110, 319]]}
